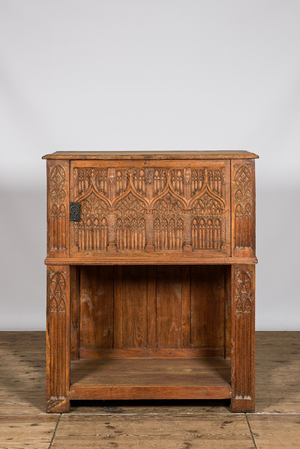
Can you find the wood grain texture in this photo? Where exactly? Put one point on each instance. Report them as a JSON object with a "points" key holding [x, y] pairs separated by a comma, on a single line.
{"points": [[75, 311], [152, 259], [134, 321], [207, 307], [172, 432], [160, 265], [271, 431], [150, 379], [58, 208], [58, 339], [169, 307], [96, 307], [243, 208], [243, 338], [165, 155], [22, 379], [154, 207], [27, 431]]}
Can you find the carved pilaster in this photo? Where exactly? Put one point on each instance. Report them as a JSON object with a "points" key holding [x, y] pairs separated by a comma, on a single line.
{"points": [[58, 208], [58, 338], [149, 231], [243, 208], [243, 337]]}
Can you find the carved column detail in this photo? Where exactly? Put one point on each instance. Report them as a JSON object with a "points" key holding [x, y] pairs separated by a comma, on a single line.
{"points": [[111, 219], [243, 208], [58, 338], [58, 204], [243, 337], [149, 231], [187, 231]]}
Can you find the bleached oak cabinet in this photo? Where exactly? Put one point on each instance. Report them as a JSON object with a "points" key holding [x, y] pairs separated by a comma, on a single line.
{"points": [[150, 276]]}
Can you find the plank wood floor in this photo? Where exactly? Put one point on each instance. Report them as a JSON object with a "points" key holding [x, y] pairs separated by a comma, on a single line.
{"points": [[167, 424]]}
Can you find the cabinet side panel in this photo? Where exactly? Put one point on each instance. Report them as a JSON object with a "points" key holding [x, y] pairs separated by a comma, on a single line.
{"points": [[96, 307], [207, 306], [243, 208], [58, 208], [134, 321]]}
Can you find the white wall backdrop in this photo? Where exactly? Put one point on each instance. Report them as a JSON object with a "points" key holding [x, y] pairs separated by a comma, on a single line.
{"points": [[149, 74]]}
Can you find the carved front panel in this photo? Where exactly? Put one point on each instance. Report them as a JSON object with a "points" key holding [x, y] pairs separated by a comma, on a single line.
{"points": [[151, 206]]}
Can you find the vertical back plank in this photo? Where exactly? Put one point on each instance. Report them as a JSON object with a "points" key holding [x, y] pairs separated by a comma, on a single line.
{"points": [[186, 307], [134, 304], [207, 307], [96, 308], [151, 308], [118, 307], [169, 306]]}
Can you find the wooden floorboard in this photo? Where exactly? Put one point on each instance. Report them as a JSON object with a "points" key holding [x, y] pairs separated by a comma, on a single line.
{"points": [[22, 431], [275, 431], [169, 432], [24, 423]]}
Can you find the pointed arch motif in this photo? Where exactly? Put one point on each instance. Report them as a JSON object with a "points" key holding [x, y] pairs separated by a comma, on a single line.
{"points": [[243, 210], [130, 209], [168, 224], [91, 232]]}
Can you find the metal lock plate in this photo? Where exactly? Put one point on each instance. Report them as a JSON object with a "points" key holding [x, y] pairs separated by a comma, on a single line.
{"points": [[74, 211]]}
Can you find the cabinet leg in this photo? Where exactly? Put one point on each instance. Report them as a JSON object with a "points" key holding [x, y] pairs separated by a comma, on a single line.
{"points": [[58, 339], [243, 338]]}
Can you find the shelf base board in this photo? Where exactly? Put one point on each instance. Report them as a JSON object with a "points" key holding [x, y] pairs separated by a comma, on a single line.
{"points": [[114, 379]]}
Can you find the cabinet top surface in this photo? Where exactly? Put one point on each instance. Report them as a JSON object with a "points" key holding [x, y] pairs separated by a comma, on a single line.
{"points": [[165, 155]]}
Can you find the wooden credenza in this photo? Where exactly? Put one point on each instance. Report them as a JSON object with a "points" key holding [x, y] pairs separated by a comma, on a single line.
{"points": [[150, 276]]}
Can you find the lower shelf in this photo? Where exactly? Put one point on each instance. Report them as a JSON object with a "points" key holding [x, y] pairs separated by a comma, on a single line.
{"points": [[111, 379]]}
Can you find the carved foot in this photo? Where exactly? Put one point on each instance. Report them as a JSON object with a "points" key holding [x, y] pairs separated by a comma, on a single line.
{"points": [[242, 405], [58, 405]]}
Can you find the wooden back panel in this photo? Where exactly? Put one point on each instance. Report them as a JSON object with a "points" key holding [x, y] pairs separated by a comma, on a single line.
{"points": [[152, 311]]}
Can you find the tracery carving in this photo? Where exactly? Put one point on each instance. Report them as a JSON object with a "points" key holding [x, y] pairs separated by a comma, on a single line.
{"points": [[57, 335], [57, 207], [207, 210], [131, 223], [243, 289], [91, 232], [151, 205], [57, 292], [168, 224], [213, 177], [138, 180], [99, 177], [243, 196]]}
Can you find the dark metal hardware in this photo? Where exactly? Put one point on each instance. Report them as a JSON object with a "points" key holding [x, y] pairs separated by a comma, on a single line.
{"points": [[74, 211]]}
